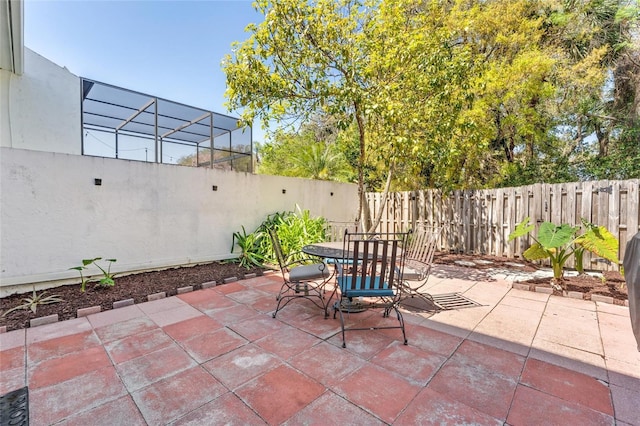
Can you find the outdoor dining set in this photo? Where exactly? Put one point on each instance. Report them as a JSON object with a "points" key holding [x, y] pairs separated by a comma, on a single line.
{"points": [[358, 271]]}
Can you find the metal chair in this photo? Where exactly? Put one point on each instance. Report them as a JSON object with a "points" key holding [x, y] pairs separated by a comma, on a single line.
{"points": [[303, 278], [370, 270], [418, 263]]}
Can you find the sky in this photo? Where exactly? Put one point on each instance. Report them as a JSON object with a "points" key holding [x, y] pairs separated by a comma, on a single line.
{"points": [[166, 48]]}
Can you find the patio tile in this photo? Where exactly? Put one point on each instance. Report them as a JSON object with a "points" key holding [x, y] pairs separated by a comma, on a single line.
{"points": [[364, 343], [13, 339], [415, 365], [121, 411], [430, 340], [12, 358], [241, 365], [532, 407], [112, 316], [162, 305], [227, 409], [58, 329], [508, 328], [137, 345], [370, 385], [175, 396], [232, 314], [257, 327], [568, 385], [504, 363], [623, 374], [207, 301], [625, 404], [189, 328], [248, 296], [287, 342], [326, 363], [566, 356], [45, 349], [318, 325], [481, 377], [292, 390], [332, 409], [63, 368], [229, 288], [145, 370], [205, 346], [432, 408], [266, 304], [130, 327], [48, 405], [172, 316], [12, 379]]}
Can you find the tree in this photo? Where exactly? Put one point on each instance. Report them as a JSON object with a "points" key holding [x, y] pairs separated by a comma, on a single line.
{"points": [[311, 152], [376, 66]]}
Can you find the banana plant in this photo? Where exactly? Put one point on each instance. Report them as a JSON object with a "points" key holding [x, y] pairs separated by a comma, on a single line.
{"points": [[559, 242]]}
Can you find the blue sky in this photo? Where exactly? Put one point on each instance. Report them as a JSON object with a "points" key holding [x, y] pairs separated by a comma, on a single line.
{"points": [[170, 49]]}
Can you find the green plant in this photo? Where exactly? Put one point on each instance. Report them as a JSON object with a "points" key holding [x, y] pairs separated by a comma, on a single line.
{"points": [[250, 247], [107, 279], [558, 243], [294, 229], [35, 300]]}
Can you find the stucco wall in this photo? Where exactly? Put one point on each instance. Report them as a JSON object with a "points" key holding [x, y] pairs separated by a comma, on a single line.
{"points": [[145, 215], [40, 109]]}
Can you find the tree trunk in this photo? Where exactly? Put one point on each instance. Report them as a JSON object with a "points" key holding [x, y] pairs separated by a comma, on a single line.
{"points": [[361, 159], [385, 195]]}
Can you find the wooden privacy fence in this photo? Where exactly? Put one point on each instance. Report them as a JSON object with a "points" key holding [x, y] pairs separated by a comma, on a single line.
{"points": [[480, 221]]}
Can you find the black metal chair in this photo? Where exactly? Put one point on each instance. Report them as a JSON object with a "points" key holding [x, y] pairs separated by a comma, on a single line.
{"points": [[303, 278], [371, 272]]}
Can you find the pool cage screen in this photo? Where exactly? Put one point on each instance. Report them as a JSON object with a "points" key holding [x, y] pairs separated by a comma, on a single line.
{"points": [[120, 123]]}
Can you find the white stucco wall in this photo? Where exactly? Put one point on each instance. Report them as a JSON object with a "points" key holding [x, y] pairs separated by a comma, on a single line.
{"points": [[145, 215], [40, 109]]}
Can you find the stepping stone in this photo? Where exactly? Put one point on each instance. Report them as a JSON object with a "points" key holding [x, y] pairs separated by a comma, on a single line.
{"points": [[464, 263], [515, 265], [483, 262]]}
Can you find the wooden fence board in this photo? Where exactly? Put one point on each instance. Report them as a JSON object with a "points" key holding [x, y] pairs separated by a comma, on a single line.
{"points": [[480, 221]]}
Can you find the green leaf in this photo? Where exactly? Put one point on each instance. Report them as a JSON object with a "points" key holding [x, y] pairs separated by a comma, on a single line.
{"points": [[523, 228], [535, 252], [551, 236], [601, 242]]}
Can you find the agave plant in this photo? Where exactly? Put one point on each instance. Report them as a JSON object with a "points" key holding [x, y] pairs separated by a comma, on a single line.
{"points": [[35, 300], [559, 242]]}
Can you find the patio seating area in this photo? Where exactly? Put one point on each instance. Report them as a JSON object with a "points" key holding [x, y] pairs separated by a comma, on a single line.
{"points": [[217, 356]]}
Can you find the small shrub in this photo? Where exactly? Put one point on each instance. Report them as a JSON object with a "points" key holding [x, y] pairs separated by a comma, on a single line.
{"points": [[107, 279], [35, 300]]}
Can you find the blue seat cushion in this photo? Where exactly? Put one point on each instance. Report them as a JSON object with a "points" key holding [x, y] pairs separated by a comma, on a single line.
{"points": [[309, 272], [364, 288]]}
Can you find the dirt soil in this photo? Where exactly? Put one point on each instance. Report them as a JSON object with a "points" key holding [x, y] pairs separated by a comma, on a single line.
{"points": [[139, 286]]}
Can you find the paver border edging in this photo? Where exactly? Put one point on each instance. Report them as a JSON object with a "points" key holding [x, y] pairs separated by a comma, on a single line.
{"points": [[570, 294]]}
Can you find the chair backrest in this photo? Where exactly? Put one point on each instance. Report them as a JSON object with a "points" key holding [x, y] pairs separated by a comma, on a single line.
{"points": [[371, 266], [335, 230], [277, 249], [422, 245]]}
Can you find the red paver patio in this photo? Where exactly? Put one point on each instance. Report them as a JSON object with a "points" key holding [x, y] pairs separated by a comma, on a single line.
{"points": [[217, 356]]}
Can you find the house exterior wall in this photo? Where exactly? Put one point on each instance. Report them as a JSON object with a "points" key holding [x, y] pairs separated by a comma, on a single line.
{"points": [[40, 109], [145, 215]]}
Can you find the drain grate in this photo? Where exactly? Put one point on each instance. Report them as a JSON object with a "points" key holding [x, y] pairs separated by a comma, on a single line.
{"points": [[14, 408], [437, 302], [450, 301]]}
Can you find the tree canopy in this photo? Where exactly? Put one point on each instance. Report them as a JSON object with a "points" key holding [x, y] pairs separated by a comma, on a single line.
{"points": [[449, 93]]}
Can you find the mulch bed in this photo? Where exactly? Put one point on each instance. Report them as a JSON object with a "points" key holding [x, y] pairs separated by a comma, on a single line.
{"points": [[139, 286]]}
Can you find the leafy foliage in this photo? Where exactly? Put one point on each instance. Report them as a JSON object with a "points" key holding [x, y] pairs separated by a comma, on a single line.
{"points": [[34, 301], [294, 229], [559, 242], [454, 94], [107, 279]]}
